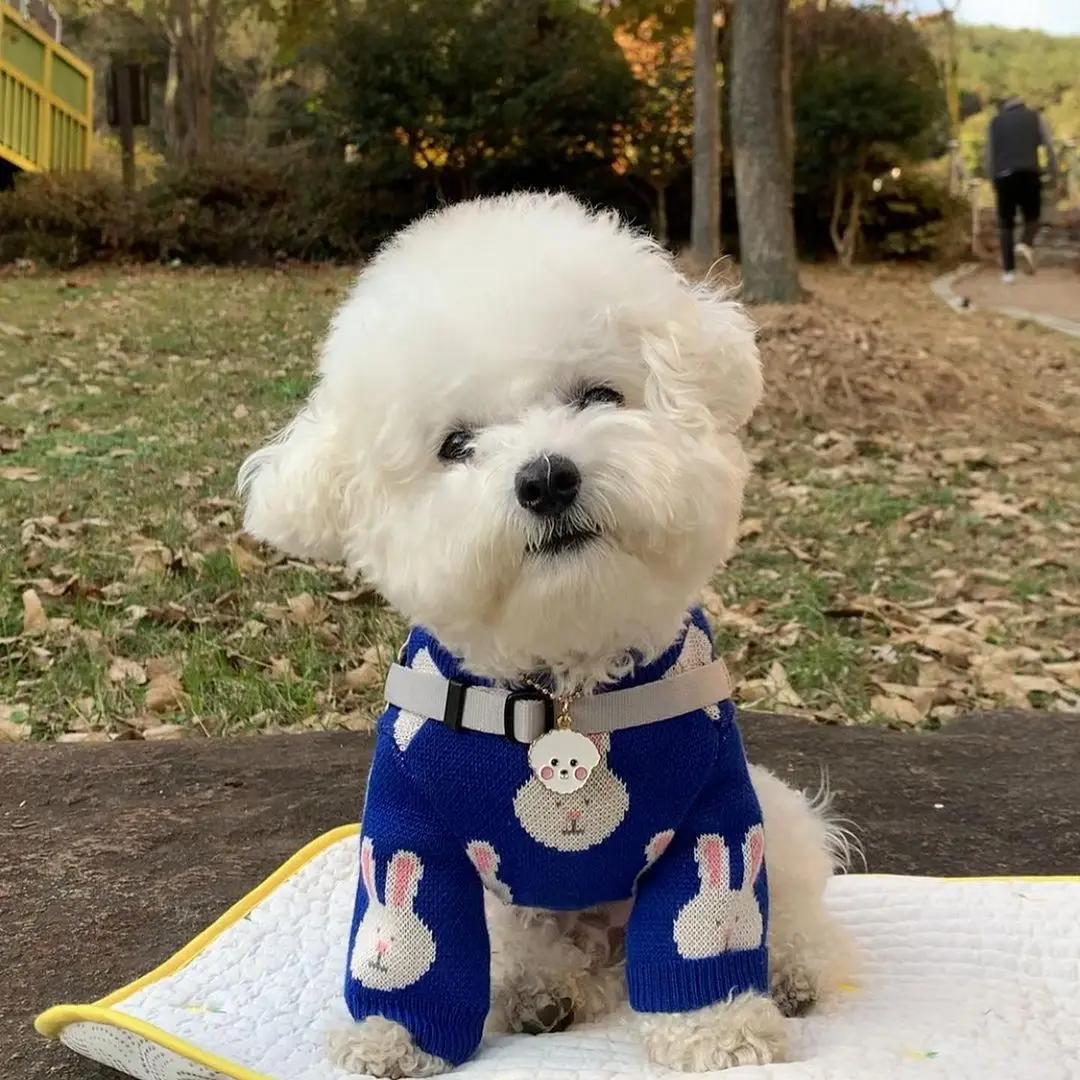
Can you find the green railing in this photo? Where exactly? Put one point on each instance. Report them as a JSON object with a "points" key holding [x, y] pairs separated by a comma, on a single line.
{"points": [[46, 99]]}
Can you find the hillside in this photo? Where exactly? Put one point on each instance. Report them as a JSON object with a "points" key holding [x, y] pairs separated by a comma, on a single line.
{"points": [[994, 62]]}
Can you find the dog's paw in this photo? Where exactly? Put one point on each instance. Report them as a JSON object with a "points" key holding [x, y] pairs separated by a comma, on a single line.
{"points": [[806, 970], [748, 1030], [794, 989], [379, 1047], [532, 1011]]}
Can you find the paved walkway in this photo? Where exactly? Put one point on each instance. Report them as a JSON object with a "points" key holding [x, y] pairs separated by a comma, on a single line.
{"points": [[1053, 291], [112, 857]]}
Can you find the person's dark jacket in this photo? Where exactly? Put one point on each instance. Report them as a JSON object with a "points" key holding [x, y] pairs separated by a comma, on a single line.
{"points": [[1013, 140]]}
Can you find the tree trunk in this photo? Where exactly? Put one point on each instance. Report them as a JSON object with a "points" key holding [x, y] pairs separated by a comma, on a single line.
{"points": [[197, 45], [762, 183], [663, 232], [846, 240], [789, 104], [204, 101], [705, 214], [172, 118]]}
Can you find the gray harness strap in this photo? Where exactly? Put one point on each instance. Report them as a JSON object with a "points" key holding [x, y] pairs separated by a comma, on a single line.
{"points": [[524, 715]]}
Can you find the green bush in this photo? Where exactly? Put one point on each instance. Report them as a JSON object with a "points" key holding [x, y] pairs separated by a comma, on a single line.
{"points": [[451, 95], [65, 220], [914, 217], [867, 98], [232, 210]]}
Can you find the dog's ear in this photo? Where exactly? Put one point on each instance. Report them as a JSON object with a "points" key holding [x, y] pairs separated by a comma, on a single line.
{"points": [[294, 488], [706, 354]]}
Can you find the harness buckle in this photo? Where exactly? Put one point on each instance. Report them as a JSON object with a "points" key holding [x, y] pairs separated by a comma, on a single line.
{"points": [[509, 726]]}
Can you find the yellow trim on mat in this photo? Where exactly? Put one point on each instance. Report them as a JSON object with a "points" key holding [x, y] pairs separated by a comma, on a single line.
{"points": [[53, 1021], [60, 1016]]}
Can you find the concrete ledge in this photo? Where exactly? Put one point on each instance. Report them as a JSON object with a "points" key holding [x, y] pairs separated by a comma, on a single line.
{"points": [[112, 857], [946, 288]]}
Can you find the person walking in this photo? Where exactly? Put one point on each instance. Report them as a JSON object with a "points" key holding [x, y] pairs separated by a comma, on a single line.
{"points": [[1012, 163]]}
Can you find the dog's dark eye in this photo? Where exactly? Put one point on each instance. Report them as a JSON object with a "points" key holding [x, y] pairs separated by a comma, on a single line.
{"points": [[457, 446], [599, 395]]}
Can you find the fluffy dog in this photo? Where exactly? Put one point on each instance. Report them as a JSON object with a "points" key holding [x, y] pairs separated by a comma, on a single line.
{"points": [[525, 433]]}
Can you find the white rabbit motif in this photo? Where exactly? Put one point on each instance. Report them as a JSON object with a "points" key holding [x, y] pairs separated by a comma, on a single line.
{"points": [[721, 919], [579, 819], [656, 847], [394, 947], [486, 860]]}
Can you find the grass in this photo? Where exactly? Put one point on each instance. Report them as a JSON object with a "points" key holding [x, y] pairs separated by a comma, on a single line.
{"points": [[885, 574]]}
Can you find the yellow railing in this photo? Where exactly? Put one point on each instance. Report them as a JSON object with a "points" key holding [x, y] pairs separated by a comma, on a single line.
{"points": [[46, 99]]}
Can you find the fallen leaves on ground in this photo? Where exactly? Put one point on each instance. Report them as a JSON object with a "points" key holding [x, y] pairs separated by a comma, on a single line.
{"points": [[910, 548]]}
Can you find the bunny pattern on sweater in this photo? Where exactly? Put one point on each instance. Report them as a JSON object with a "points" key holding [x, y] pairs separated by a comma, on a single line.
{"points": [[667, 816]]}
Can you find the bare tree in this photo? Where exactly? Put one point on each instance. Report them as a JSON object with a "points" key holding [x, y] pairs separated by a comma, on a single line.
{"points": [[762, 152], [705, 215]]}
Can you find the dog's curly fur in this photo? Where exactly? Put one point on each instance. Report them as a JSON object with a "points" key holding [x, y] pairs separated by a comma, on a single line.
{"points": [[497, 319]]}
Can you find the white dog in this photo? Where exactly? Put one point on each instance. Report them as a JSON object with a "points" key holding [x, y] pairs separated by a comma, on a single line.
{"points": [[525, 434]]}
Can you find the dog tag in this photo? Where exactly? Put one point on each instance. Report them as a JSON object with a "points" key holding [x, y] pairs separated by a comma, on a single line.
{"points": [[563, 760]]}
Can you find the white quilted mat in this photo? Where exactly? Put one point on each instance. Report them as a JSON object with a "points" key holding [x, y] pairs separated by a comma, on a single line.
{"points": [[961, 979]]}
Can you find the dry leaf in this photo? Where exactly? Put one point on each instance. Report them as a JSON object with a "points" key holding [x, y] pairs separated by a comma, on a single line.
{"points": [[897, 709], [151, 558], [246, 561], [163, 731], [780, 688], [922, 697], [163, 665], [304, 611], [10, 727], [364, 595], [946, 647], [83, 737], [123, 670], [751, 527], [20, 472], [281, 668], [165, 694], [362, 677], [990, 504], [1068, 673], [35, 621], [240, 412]]}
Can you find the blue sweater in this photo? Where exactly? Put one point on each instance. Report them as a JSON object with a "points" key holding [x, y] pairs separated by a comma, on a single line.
{"points": [[668, 816]]}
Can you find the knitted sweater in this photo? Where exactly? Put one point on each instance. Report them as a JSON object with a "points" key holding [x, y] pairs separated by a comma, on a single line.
{"points": [[668, 816]]}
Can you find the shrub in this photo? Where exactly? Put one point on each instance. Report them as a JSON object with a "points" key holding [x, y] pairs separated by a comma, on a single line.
{"points": [[231, 210], [66, 220], [867, 97], [914, 217], [452, 93]]}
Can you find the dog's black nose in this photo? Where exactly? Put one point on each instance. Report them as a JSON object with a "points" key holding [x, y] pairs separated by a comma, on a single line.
{"points": [[548, 485]]}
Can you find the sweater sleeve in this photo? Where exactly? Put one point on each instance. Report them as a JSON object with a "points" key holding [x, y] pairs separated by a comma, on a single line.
{"points": [[418, 947], [697, 933]]}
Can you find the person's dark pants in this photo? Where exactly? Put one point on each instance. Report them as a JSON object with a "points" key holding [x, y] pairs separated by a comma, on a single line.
{"points": [[1018, 191]]}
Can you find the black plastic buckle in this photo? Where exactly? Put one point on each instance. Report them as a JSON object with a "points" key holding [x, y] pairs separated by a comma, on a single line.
{"points": [[454, 710], [509, 728]]}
